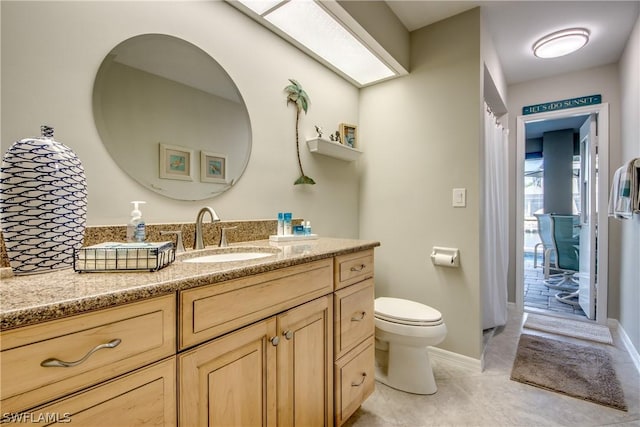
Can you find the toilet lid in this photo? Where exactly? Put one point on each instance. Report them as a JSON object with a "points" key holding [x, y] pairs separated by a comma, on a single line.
{"points": [[406, 312]]}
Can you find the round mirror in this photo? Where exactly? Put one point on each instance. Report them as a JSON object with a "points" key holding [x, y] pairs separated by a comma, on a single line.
{"points": [[171, 117]]}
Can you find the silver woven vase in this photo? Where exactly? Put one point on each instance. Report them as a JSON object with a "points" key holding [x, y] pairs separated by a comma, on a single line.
{"points": [[43, 207]]}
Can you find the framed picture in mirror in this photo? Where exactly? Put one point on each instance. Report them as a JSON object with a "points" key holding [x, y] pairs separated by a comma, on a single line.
{"points": [[175, 162], [348, 135], [213, 167]]}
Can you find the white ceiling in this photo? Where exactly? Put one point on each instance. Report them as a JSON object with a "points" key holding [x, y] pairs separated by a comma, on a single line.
{"points": [[515, 25]]}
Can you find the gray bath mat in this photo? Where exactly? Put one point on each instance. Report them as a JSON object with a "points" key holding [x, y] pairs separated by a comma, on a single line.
{"points": [[576, 370]]}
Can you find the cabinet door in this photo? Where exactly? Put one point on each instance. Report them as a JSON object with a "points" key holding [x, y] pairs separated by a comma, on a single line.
{"points": [[146, 397], [305, 371], [230, 381]]}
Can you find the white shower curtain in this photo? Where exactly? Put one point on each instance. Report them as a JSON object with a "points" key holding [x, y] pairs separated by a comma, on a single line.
{"points": [[495, 224]]}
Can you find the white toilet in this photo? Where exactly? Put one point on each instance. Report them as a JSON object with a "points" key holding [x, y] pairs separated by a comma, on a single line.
{"points": [[404, 330]]}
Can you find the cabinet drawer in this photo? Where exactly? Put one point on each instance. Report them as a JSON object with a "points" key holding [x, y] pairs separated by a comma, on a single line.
{"points": [[219, 308], [354, 316], [146, 397], [353, 268], [146, 331], [354, 380]]}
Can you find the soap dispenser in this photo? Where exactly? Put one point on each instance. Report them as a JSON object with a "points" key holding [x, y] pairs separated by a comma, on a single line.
{"points": [[136, 227]]}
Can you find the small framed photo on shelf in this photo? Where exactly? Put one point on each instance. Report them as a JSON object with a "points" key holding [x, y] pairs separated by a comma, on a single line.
{"points": [[213, 167], [348, 135], [175, 162]]}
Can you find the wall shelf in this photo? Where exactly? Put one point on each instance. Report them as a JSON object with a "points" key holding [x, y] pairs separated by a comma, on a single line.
{"points": [[333, 149]]}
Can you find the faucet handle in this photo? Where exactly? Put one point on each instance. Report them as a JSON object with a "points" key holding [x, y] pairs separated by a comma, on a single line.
{"points": [[223, 236], [179, 244]]}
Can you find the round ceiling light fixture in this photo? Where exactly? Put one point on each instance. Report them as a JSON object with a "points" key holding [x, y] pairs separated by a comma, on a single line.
{"points": [[561, 43]]}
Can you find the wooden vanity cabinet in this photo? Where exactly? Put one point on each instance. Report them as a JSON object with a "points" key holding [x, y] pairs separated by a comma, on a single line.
{"points": [[289, 347], [354, 329], [310, 365], [275, 372], [264, 352]]}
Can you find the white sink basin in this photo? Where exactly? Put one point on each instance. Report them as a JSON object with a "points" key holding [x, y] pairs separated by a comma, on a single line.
{"points": [[230, 256]]}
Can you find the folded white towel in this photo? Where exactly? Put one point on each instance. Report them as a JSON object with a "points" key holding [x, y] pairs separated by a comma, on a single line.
{"points": [[624, 199], [635, 185]]}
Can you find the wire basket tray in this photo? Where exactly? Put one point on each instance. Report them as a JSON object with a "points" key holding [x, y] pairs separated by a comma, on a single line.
{"points": [[114, 257]]}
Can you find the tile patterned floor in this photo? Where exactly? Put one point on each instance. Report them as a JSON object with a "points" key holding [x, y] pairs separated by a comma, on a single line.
{"points": [[538, 297], [466, 397]]}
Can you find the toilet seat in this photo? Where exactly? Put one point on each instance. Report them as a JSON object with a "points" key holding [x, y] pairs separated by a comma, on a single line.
{"points": [[405, 312]]}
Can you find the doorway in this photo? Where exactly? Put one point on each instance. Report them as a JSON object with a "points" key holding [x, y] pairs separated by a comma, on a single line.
{"points": [[576, 199]]}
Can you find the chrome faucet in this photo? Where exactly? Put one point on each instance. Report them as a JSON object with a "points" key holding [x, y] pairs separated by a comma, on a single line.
{"points": [[198, 241]]}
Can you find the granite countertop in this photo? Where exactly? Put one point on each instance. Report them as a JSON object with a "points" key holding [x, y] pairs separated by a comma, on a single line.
{"points": [[31, 299]]}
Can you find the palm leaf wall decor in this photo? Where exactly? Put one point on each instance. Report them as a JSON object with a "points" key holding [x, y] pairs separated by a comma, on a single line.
{"points": [[299, 98]]}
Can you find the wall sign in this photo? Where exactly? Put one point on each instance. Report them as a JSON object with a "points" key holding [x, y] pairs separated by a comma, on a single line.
{"points": [[563, 104]]}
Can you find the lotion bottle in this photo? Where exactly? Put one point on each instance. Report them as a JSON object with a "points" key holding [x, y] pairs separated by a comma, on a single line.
{"points": [[288, 228], [280, 229], [136, 227]]}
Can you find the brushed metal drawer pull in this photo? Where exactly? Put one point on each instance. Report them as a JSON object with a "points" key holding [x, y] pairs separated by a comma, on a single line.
{"points": [[57, 363], [358, 268], [288, 334], [359, 319], [275, 341], [364, 376]]}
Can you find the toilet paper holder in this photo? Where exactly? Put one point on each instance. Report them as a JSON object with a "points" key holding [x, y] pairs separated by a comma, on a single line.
{"points": [[445, 257]]}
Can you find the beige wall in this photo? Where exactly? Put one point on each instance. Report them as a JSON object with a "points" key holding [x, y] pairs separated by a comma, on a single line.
{"points": [[494, 83], [421, 137], [629, 244], [51, 52]]}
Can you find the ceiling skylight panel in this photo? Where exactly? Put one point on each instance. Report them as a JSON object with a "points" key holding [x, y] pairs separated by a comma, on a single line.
{"points": [[313, 27]]}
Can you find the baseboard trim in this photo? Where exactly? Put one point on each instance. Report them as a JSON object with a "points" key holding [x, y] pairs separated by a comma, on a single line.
{"points": [[631, 350], [450, 357]]}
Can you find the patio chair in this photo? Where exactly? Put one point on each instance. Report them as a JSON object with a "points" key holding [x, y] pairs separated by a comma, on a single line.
{"points": [[545, 231], [566, 241]]}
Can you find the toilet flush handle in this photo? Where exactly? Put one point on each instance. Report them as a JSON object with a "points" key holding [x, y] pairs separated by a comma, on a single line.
{"points": [[360, 317]]}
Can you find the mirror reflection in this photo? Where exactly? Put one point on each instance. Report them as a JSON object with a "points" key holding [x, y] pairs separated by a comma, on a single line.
{"points": [[171, 117]]}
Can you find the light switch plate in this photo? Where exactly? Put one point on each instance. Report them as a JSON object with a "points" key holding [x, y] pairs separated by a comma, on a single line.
{"points": [[459, 198]]}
